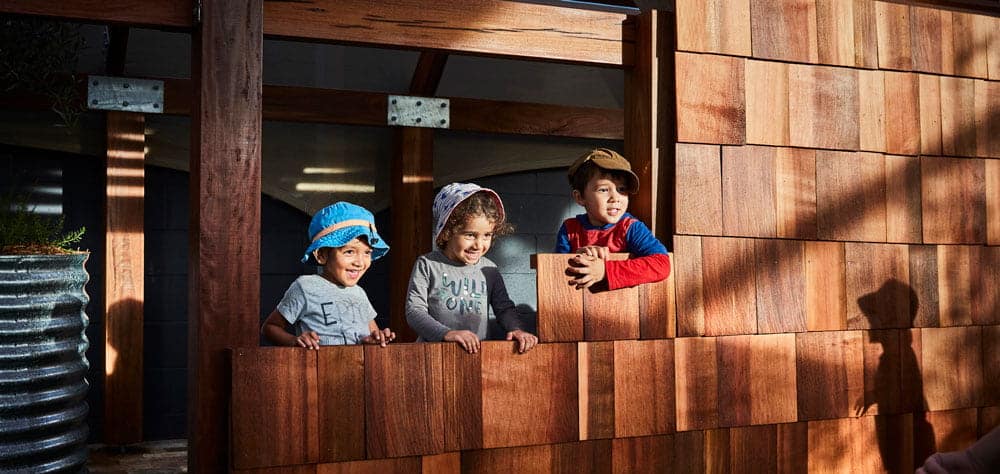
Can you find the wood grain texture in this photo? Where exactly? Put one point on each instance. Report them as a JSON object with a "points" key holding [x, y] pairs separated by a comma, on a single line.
{"points": [[644, 388], [699, 189], [297, 469], [955, 284], [584, 457], [952, 367], [992, 172], [658, 308], [844, 445], [865, 34], [341, 403], [971, 45], [748, 177], [611, 315], [274, 384], [767, 103], [987, 118], [795, 193], [447, 463], [756, 379], [710, 100], [412, 192], [487, 27], [753, 446], [912, 397], [829, 373], [930, 114], [929, 40], [529, 398], [792, 447], [878, 291], [124, 270], [784, 30], [825, 286], [902, 199], [689, 452], [850, 196], [463, 398], [171, 14], [991, 366], [649, 454], [596, 378], [717, 451], [781, 285], [924, 281], [714, 26], [569, 458], [404, 400], [835, 32], [902, 113], [225, 226], [958, 116], [641, 97], [984, 271], [953, 199], [410, 464], [729, 286], [823, 107], [894, 46], [560, 307], [871, 119], [989, 418], [697, 383], [884, 353], [954, 429], [991, 25], [688, 274]]}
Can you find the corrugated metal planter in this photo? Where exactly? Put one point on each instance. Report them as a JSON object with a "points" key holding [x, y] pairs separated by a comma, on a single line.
{"points": [[43, 411]]}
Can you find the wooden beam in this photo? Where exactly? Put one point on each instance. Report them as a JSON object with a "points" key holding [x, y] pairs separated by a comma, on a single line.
{"points": [[489, 27], [124, 273], [143, 13], [640, 116], [224, 263], [303, 104], [485, 27], [427, 74]]}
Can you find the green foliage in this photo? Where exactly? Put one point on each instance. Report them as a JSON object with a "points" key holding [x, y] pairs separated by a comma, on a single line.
{"points": [[24, 231], [39, 56]]}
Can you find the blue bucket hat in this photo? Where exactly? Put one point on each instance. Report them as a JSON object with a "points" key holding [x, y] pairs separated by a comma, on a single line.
{"points": [[337, 224]]}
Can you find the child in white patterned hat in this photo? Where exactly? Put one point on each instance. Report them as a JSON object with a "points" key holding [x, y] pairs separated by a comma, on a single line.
{"points": [[330, 308], [453, 288]]}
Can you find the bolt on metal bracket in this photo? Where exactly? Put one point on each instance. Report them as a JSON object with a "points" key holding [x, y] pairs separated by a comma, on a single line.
{"points": [[124, 94], [411, 111]]}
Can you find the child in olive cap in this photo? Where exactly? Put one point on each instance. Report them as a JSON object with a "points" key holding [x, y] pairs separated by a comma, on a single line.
{"points": [[602, 181], [330, 308]]}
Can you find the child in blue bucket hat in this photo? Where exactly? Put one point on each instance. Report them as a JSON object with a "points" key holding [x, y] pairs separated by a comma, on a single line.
{"points": [[330, 308]]}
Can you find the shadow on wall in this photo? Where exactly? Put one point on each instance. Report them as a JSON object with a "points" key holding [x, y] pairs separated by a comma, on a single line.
{"points": [[898, 386]]}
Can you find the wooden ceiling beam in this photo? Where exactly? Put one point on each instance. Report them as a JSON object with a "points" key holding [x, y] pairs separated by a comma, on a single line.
{"points": [[481, 27], [427, 74]]}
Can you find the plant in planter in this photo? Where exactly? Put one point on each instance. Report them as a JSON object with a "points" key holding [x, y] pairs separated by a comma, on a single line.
{"points": [[43, 410]]}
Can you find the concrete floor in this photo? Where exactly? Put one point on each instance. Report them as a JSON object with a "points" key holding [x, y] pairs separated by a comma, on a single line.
{"points": [[153, 457]]}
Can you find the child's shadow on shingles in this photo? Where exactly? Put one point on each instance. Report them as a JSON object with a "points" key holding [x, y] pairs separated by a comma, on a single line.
{"points": [[898, 386]]}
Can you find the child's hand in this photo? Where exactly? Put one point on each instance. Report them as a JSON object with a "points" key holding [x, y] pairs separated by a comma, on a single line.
{"points": [[467, 339], [588, 270], [309, 340], [380, 337], [594, 251], [525, 340]]}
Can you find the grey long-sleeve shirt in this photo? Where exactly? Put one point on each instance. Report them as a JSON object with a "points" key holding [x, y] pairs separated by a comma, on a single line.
{"points": [[445, 296]]}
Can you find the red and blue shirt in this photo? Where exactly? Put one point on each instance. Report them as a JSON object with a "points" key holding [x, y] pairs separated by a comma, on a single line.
{"points": [[648, 261]]}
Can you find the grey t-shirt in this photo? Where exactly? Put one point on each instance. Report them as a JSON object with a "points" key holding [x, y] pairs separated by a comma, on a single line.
{"points": [[445, 296], [339, 314]]}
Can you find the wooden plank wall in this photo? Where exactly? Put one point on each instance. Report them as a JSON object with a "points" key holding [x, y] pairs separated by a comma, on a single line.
{"points": [[834, 301], [838, 207]]}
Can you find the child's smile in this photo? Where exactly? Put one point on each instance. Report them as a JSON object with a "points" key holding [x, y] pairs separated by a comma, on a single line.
{"points": [[471, 242], [605, 198], [346, 265]]}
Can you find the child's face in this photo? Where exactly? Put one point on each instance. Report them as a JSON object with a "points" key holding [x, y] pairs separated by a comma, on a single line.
{"points": [[471, 242], [605, 198], [345, 265]]}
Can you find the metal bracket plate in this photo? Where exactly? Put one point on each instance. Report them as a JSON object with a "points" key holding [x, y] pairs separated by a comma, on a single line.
{"points": [[411, 111], [125, 94]]}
